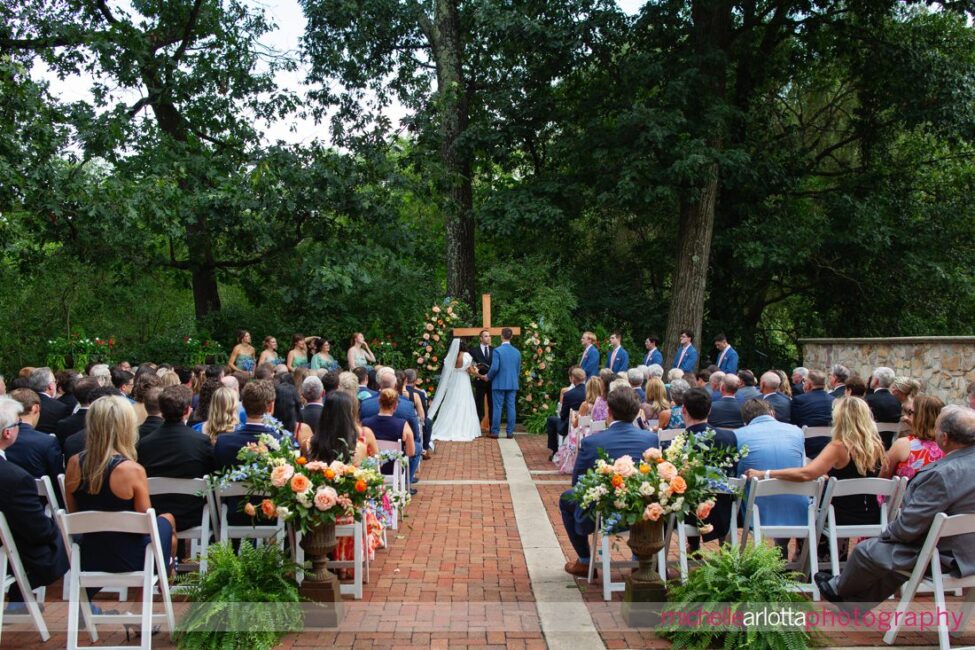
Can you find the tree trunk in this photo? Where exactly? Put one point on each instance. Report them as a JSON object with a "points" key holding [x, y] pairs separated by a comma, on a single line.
{"points": [[448, 51], [690, 275], [709, 43]]}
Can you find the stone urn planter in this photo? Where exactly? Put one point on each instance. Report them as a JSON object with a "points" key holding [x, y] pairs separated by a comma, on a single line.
{"points": [[645, 591], [321, 586]]}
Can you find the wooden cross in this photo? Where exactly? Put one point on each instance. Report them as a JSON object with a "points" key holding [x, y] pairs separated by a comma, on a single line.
{"points": [[486, 315]]}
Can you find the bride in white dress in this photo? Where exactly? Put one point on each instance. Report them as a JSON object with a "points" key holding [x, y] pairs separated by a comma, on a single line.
{"points": [[453, 411]]}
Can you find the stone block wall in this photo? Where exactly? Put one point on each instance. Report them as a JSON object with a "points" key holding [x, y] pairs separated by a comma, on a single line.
{"points": [[944, 365]]}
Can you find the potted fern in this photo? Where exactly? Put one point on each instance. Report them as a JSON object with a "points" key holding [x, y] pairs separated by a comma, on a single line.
{"points": [[727, 582], [246, 601]]}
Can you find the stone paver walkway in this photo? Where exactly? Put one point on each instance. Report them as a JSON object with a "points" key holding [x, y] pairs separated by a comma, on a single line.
{"points": [[476, 563]]}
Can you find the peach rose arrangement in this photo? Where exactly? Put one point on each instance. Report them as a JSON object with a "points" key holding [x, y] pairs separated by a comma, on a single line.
{"points": [[433, 341], [301, 491], [681, 480]]}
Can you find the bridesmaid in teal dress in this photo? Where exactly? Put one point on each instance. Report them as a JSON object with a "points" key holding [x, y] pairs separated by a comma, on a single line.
{"points": [[359, 355], [323, 358], [298, 356], [242, 358], [270, 353]]}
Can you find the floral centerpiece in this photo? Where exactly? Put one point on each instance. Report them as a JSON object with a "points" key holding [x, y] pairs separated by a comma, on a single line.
{"points": [[538, 387], [680, 480], [434, 340], [303, 492]]}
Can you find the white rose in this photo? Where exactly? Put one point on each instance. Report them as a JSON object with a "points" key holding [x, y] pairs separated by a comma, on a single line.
{"points": [[283, 512], [646, 489], [619, 504], [305, 498]]}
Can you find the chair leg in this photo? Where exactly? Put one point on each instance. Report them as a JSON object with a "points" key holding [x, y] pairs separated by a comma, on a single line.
{"points": [[834, 550], [944, 642], [74, 604], [682, 552], [907, 595], [606, 561], [146, 632], [358, 549]]}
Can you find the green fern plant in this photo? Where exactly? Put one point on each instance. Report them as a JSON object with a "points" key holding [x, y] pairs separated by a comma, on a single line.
{"points": [[246, 601], [736, 578]]}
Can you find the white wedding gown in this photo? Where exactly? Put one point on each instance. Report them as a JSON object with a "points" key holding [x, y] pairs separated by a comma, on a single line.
{"points": [[456, 420]]}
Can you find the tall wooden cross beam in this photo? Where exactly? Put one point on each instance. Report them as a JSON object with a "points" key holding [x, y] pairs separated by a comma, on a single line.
{"points": [[486, 316]]}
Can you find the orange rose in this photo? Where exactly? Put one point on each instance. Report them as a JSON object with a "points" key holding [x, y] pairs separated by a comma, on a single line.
{"points": [[617, 481], [268, 508], [301, 460], [300, 483], [329, 474], [360, 485], [249, 510], [678, 485]]}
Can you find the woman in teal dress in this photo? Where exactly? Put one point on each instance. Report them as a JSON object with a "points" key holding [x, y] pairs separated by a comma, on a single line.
{"points": [[242, 358], [298, 356], [359, 355], [270, 353], [323, 358]]}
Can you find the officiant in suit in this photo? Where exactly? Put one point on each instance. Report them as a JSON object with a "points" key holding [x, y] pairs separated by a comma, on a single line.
{"points": [[482, 354]]}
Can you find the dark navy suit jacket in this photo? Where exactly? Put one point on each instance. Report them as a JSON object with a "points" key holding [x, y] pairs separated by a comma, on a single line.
{"points": [[39, 454], [813, 409], [405, 409], [782, 405], [726, 412]]}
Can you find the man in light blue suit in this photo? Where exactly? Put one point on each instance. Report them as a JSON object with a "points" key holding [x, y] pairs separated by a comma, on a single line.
{"points": [[618, 359], [686, 357], [653, 355], [772, 445], [727, 355], [590, 355], [503, 375]]}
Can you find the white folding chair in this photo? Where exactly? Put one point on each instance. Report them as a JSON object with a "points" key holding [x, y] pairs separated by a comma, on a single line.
{"points": [[815, 432], [245, 531], [807, 531], [602, 554], [597, 426], [585, 420], [10, 559], [397, 481], [153, 574], [356, 531], [45, 490], [684, 531], [198, 536], [668, 435], [891, 429], [943, 526], [826, 524]]}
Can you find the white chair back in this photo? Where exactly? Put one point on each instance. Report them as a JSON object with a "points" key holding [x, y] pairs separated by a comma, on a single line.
{"points": [[817, 432], [585, 420], [398, 480], [667, 435], [597, 426], [199, 536], [10, 561], [45, 489], [250, 531], [826, 523]]}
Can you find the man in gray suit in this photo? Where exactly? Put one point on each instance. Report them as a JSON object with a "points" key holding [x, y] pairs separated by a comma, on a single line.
{"points": [[946, 485]]}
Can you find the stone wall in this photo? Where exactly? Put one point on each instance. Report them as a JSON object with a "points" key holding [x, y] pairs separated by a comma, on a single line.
{"points": [[944, 365]]}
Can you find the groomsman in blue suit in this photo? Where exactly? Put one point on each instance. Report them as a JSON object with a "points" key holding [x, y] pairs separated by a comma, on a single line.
{"points": [[503, 375], [727, 356], [618, 359], [686, 357], [653, 355], [590, 355]]}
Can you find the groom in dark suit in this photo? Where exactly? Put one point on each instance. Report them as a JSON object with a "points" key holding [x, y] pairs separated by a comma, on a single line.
{"points": [[482, 354]]}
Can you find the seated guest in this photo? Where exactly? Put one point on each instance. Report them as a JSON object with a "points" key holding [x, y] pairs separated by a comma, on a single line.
{"points": [[223, 416], [75, 443], [674, 373], [42, 382], [747, 387], [655, 403], [312, 391], [124, 381], [287, 404], [404, 409], [673, 418], [838, 376], [726, 412], [716, 379], [855, 387], [772, 444], [636, 378], [421, 412], [697, 407], [799, 380], [106, 477], [207, 389], [36, 453], [66, 380], [364, 392], [572, 399], [885, 406], [174, 450], [258, 399], [702, 378], [75, 422], [655, 370], [785, 387], [904, 388], [594, 391], [144, 380], [813, 408], [150, 401], [855, 451], [621, 438], [909, 454], [387, 426], [102, 373], [880, 565], [781, 405], [38, 539], [330, 382], [417, 393]]}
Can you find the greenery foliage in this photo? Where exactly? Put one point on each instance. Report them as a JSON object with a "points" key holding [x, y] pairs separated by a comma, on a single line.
{"points": [[243, 602], [736, 578]]}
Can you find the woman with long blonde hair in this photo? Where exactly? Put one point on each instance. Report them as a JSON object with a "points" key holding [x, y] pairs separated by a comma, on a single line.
{"points": [[106, 477], [224, 414], [855, 451], [657, 401]]}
